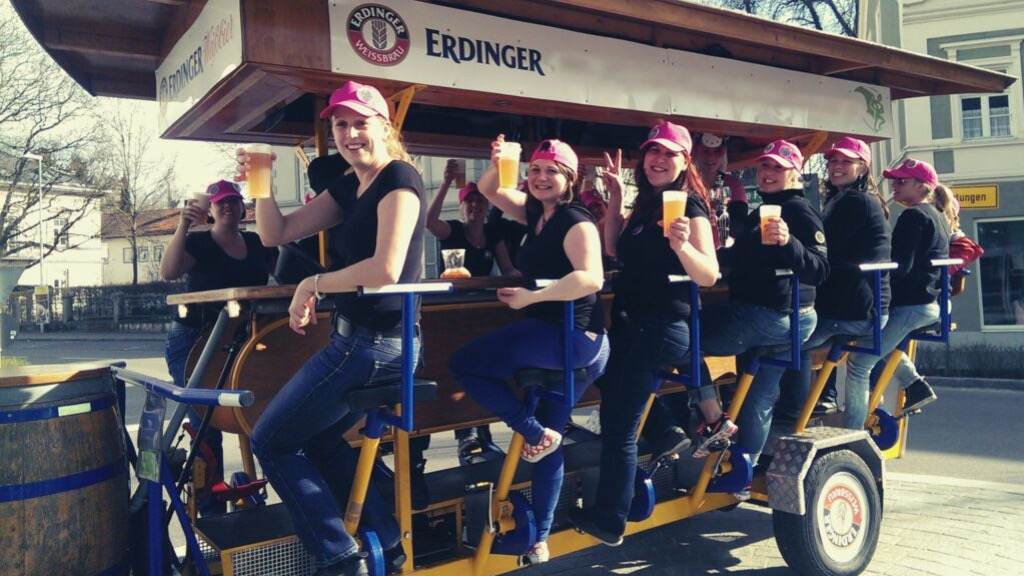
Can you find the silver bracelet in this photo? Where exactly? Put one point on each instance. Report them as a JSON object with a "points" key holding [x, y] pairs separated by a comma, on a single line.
{"points": [[316, 288]]}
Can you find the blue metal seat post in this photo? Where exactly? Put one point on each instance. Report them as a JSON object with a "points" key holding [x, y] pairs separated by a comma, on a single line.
{"points": [[841, 345], [945, 326], [511, 528], [377, 400], [152, 467]]}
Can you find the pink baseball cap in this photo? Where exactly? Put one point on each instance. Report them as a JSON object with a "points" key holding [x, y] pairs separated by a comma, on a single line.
{"points": [[362, 99], [558, 151], [222, 189], [590, 197], [852, 148], [671, 136], [785, 153], [917, 169], [467, 190]]}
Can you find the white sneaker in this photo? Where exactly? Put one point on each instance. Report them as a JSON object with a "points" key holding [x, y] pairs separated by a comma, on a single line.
{"points": [[538, 554], [549, 442]]}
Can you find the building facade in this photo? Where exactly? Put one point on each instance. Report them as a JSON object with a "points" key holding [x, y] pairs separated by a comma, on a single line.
{"points": [[976, 143]]}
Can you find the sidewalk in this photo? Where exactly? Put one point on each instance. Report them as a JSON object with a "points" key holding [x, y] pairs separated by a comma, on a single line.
{"points": [[932, 527], [90, 336]]}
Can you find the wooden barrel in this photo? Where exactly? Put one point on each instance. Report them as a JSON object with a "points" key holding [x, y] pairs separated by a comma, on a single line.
{"points": [[63, 473]]}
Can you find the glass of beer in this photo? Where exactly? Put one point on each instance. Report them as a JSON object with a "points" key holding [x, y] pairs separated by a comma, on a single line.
{"points": [[454, 263], [508, 165], [673, 204], [768, 212], [259, 176], [201, 200]]}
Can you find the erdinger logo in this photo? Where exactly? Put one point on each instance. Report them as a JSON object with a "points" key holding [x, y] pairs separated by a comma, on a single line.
{"points": [[843, 516], [378, 34]]}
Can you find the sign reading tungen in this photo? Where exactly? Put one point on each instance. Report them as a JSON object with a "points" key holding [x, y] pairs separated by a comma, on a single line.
{"points": [[417, 42], [209, 51]]}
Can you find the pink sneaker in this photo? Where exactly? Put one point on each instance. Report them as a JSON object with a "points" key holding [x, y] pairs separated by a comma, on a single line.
{"points": [[714, 437], [548, 443]]}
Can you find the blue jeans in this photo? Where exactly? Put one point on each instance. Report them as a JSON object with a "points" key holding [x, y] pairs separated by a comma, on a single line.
{"points": [[734, 328], [299, 441], [797, 386], [639, 348], [902, 321], [483, 367], [180, 341]]}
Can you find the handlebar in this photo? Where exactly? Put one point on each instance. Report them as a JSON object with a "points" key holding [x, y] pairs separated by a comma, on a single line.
{"points": [[231, 398]]}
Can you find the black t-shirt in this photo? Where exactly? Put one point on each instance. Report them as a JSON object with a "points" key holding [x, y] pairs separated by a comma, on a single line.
{"points": [[355, 240], [542, 257], [215, 269], [858, 233], [752, 265], [479, 261], [919, 237], [642, 289]]}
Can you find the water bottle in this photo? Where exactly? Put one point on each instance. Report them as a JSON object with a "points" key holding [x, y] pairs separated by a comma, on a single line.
{"points": [[151, 427]]}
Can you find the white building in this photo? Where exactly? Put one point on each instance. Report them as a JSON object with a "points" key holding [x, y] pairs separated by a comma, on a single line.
{"points": [[77, 259], [976, 143]]}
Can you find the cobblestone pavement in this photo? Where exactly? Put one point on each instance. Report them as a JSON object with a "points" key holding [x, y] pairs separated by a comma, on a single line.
{"points": [[932, 527]]}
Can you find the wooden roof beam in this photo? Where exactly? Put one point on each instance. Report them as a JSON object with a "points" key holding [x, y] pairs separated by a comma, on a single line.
{"points": [[141, 48]]}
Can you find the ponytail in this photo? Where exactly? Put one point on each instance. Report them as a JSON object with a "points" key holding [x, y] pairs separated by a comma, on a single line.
{"points": [[942, 197]]}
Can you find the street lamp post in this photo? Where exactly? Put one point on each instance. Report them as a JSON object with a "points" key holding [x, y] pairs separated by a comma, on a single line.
{"points": [[39, 211]]}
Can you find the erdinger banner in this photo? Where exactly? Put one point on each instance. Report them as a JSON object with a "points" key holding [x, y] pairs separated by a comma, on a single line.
{"points": [[424, 43], [209, 51]]}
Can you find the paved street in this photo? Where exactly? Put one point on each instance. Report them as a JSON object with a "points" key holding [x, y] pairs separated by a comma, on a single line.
{"points": [[954, 506]]}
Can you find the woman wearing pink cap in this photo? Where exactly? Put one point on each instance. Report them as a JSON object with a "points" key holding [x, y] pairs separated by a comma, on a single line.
{"points": [[921, 234], [562, 244], [858, 232], [760, 303], [483, 244], [650, 316], [222, 257], [377, 220]]}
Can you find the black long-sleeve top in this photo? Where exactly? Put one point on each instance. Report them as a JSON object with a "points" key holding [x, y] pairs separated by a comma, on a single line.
{"points": [[858, 233], [919, 237], [752, 264]]}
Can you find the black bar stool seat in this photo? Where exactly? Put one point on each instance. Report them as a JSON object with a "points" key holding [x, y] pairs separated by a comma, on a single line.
{"points": [[546, 379], [770, 350], [389, 392]]}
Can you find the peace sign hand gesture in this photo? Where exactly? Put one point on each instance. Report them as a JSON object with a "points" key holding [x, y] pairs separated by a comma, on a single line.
{"points": [[612, 174]]}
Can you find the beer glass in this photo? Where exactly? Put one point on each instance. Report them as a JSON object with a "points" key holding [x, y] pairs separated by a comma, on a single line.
{"points": [[259, 176]]}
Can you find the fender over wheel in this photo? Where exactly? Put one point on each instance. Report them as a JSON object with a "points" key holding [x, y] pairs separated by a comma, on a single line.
{"points": [[838, 534]]}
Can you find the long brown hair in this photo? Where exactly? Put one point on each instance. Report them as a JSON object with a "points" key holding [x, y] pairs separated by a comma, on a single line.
{"points": [[942, 197], [647, 207], [865, 184]]}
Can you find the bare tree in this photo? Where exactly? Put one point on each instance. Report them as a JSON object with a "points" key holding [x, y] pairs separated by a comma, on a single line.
{"points": [[43, 112], [138, 180], [838, 16]]}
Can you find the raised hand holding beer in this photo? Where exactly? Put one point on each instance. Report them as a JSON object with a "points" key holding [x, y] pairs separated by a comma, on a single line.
{"points": [[505, 156], [256, 168]]}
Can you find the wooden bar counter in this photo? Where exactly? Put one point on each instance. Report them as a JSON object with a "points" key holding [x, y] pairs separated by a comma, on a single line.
{"points": [[271, 353]]}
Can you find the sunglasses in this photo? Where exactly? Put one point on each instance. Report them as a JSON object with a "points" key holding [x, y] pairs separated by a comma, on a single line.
{"points": [[902, 181]]}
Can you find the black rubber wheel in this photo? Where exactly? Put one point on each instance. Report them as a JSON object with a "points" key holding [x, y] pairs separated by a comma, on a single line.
{"points": [[839, 533]]}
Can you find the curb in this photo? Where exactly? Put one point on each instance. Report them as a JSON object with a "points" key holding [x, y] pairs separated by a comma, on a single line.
{"points": [[904, 478], [91, 336], [976, 383]]}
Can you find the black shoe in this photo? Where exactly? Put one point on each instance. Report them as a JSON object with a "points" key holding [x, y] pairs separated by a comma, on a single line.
{"points": [[672, 442], [825, 407], [351, 566], [418, 486], [469, 447], [583, 523], [918, 394], [394, 559]]}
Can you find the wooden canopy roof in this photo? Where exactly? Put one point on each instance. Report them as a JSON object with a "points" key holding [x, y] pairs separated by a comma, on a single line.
{"points": [[113, 48]]}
